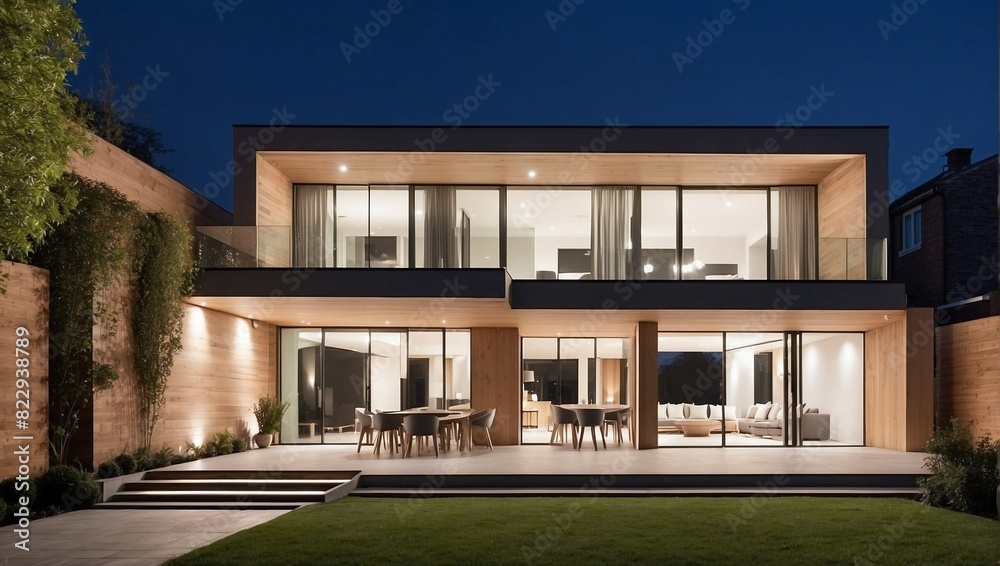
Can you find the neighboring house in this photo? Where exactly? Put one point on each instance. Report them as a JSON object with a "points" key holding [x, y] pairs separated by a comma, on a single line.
{"points": [[944, 236], [944, 248], [685, 272]]}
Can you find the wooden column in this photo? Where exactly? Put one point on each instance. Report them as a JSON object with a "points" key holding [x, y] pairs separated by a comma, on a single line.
{"points": [[645, 385], [919, 378], [496, 380]]}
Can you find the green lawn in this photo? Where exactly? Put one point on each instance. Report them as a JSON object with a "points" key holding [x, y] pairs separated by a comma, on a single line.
{"points": [[607, 530]]}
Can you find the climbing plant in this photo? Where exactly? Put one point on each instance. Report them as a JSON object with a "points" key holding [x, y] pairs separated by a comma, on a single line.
{"points": [[86, 255], [165, 277]]}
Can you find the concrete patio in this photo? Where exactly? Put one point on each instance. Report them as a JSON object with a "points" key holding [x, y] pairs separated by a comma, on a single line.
{"points": [[147, 537]]}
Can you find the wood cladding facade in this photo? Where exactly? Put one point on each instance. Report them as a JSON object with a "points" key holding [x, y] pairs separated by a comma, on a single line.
{"points": [[496, 380], [843, 222], [899, 382], [968, 369], [151, 189], [646, 385], [25, 305]]}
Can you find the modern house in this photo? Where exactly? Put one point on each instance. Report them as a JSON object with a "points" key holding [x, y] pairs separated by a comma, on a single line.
{"points": [[944, 248], [685, 272]]}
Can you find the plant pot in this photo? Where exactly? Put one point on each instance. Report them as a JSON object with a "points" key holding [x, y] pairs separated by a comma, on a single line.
{"points": [[262, 440]]}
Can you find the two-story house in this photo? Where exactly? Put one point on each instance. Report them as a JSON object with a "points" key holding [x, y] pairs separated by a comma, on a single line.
{"points": [[727, 273]]}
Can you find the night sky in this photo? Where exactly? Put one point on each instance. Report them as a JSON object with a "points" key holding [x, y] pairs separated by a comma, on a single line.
{"points": [[926, 68]]}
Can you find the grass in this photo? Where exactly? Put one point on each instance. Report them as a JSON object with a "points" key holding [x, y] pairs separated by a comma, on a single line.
{"points": [[584, 530]]}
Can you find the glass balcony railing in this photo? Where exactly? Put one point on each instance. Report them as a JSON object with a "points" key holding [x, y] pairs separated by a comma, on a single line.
{"points": [[244, 246], [844, 259], [853, 259]]}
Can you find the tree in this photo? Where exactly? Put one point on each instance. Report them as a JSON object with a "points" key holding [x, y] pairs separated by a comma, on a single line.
{"points": [[40, 42], [165, 276]]}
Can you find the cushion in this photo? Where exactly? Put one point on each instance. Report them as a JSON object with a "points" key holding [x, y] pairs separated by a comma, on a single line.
{"points": [[661, 410], [698, 411], [731, 412], [813, 410], [675, 411], [772, 413], [752, 411], [762, 411], [715, 411], [781, 414]]}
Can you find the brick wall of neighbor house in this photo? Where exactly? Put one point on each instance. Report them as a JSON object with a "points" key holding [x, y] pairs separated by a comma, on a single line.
{"points": [[25, 304], [969, 245], [922, 269], [968, 370]]}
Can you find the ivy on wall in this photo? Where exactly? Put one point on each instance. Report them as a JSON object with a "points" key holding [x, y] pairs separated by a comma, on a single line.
{"points": [[85, 255], [165, 276]]}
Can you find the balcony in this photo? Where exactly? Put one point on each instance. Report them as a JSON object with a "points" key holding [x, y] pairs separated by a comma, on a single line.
{"points": [[838, 259]]}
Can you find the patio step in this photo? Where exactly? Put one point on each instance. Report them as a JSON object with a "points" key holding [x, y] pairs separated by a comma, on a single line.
{"points": [[243, 489]]}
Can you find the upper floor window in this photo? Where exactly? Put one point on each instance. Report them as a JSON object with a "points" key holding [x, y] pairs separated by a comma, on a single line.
{"points": [[911, 231]]}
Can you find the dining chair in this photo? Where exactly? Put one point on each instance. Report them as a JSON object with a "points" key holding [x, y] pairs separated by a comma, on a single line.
{"points": [[618, 420], [562, 418], [484, 420], [420, 426], [386, 427], [591, 418], [364, 420]]}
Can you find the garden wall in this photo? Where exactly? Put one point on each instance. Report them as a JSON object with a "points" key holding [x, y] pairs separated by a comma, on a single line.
{"points": [[968, 374], [24, 305]]}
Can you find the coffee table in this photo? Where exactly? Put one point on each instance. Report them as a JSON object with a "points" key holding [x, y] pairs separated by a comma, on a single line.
{"points": [[697, 427]]}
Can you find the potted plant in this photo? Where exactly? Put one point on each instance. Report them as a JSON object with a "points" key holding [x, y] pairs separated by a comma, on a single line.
{"points": [[269, 411]]}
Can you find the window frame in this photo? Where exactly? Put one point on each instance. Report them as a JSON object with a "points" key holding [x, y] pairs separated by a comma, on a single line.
{"points": [[915, 239]]}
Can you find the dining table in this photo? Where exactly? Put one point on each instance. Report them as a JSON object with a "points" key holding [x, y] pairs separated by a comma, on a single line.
{"points": [[462, 416]]}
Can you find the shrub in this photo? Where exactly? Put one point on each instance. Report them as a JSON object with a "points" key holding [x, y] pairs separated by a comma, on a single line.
{"points": [[223, 443], [964, 474], [239, 445], [163, 457], [143, 459], [66, 489], [10, 494], [127, 463], [269, 411], [195, 452], [109, 469]]}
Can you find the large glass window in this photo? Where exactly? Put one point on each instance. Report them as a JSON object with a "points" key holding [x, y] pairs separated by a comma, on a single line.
{"points": [[726, 233], [548, 233], [387, 244], [659, 234], [457, 226], [691, 389], [832, 388], [755, 379]]}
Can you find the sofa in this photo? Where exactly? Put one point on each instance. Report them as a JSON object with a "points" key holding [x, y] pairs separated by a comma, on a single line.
{"points": [[669, 413], [768, 420]]}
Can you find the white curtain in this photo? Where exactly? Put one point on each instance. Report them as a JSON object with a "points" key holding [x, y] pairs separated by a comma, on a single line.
{"points": [[440, 243], [611, 218], [795, 253], [313, 226]]}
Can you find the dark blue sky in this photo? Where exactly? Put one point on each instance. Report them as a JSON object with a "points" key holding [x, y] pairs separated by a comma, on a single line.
{"points": [[927, 69]]}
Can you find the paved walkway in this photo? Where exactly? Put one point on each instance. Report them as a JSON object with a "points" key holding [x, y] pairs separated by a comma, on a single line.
{"points": [[120, 537]]}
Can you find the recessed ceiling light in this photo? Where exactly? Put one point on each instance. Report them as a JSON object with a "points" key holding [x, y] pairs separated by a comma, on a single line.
{"points": [[343, 168], [729, 203], [203, 303], [531, 174], [250, 315], [444, 322]]}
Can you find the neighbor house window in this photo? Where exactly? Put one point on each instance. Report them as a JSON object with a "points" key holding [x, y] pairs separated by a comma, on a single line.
{"points": [[911, 231]]}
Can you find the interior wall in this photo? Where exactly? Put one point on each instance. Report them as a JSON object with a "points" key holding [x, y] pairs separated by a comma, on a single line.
{"points": [[833, 382], [25, 304], [739, 380]]}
